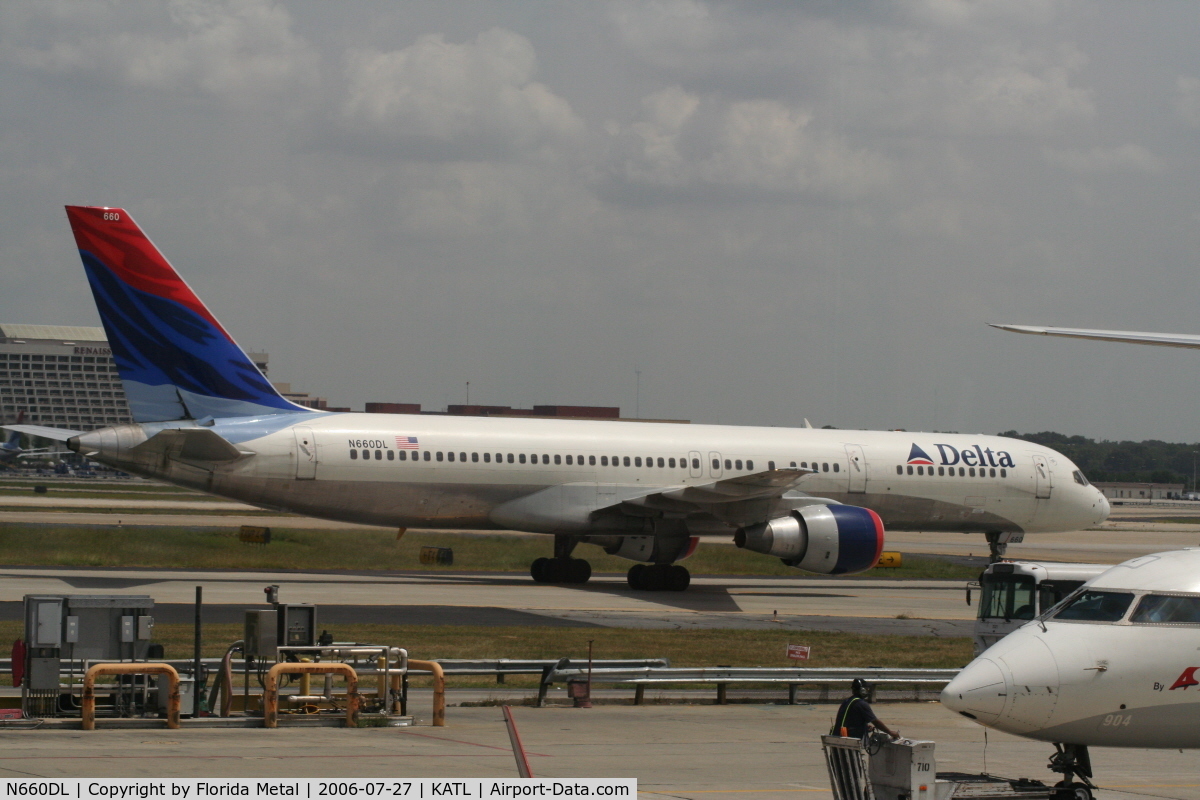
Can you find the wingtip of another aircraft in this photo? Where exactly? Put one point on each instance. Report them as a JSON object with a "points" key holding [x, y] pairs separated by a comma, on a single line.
{"points": [[1018, 328]]}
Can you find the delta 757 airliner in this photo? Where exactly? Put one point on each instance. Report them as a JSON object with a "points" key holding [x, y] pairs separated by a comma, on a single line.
{"points": [[206, 418]]}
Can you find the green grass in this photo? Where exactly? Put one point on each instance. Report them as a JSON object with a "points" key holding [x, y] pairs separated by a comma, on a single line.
{"points": [[307, 549]]}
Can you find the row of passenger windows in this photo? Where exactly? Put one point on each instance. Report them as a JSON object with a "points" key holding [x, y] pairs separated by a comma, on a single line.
{"points": [[730, 464], [534, 458], [963, 472]]}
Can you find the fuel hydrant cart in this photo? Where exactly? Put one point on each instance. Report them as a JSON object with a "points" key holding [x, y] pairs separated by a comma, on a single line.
{"points": [[879, 768]]}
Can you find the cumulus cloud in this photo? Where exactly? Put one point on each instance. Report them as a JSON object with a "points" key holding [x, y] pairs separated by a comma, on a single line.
{"points": [[236, 49], [480, 93], [1125, 158], [684, 142], [1017, 91]]}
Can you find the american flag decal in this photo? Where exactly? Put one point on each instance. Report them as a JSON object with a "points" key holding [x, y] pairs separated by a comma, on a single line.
{"points": [[407, 443]]}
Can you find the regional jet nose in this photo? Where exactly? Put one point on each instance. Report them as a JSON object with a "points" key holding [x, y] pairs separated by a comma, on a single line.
{"points": [[978, 692]]}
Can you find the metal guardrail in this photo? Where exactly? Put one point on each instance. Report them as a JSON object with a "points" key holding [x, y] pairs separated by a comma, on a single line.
{"points": [[723, 676], [518, 666]]}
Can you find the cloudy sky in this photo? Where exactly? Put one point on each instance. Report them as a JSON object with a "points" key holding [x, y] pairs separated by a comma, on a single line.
{"points": [[773, 210]]}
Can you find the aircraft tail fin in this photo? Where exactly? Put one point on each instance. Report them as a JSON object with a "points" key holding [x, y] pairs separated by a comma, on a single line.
{"points": [[175, 360]]}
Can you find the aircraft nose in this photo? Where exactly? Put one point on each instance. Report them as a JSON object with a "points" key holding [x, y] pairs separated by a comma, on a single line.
{"points": [[978, 692], [1103, 507]]}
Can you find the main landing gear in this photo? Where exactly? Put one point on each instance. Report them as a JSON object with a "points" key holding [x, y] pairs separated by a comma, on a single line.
{"points": [[659, 577], [562, 568], [1071, 760]]}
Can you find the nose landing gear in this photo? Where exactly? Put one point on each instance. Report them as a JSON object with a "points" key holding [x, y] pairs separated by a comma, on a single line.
{"points": [[1071, 760], [659, 577]]}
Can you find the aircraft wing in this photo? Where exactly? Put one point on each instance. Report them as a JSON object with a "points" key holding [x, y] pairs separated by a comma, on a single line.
{"points": [[57, 434], [1133, 337], [742, 497]]}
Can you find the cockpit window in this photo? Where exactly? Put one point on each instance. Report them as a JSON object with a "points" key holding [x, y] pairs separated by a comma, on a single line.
{"points": [[1165, 608], [1092, 605], [1079, 478]]}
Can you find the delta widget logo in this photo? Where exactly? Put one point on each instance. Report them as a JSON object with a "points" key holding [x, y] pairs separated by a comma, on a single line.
{"points": [[918, 456]]}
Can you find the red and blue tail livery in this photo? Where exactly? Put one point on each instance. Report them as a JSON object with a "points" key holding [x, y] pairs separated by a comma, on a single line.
{"points": [[175, 360]]}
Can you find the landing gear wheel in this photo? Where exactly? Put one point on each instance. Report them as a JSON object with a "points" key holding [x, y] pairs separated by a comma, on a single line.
{"points": [[654, 579], [635, 576], [1072, 791], [579, 570], [678, 578], [540, 570], [1072, 761], [658, 577]]}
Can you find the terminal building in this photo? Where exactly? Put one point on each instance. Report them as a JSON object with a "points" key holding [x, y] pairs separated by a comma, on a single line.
{"points": [[1140, 491], [60, 376]]}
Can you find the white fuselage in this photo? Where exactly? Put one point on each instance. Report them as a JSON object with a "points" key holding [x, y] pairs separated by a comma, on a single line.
{"points": [[1124, 682], [569, 476]]}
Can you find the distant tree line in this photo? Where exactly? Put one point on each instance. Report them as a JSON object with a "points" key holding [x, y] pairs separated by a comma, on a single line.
{"points": [[1149, 461]]}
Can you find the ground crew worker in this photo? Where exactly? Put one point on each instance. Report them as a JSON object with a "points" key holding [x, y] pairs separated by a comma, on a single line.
{"points": [[855, 714]]}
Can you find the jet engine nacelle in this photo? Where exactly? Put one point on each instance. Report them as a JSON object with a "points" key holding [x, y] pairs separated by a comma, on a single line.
{"points": [[832, 540]]}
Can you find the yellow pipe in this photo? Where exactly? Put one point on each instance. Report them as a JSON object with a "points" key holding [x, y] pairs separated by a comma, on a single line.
{"points": [[89, 688], [439, 688], [271, 689]]}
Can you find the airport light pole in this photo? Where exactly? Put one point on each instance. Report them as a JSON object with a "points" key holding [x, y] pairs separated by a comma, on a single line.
{"points": [[1194, 452], [637, 406]]}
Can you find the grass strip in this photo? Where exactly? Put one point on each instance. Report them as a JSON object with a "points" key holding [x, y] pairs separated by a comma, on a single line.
{"points": [[315, 549]]}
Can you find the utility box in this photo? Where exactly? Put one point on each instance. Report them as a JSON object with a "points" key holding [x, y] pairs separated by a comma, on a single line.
{"points": [[295, 625], [89, 626], [260, 634], [77, 628], [187, 695], [285, 625]]}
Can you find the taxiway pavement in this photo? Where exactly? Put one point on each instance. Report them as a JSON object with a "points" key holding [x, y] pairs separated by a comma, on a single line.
{"points": [[766, 752], [801, 603]]}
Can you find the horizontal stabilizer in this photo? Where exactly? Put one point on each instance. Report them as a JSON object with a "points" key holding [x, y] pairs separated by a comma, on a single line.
{"points": [[190, 444], [56, 434], [1131, 337]]}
